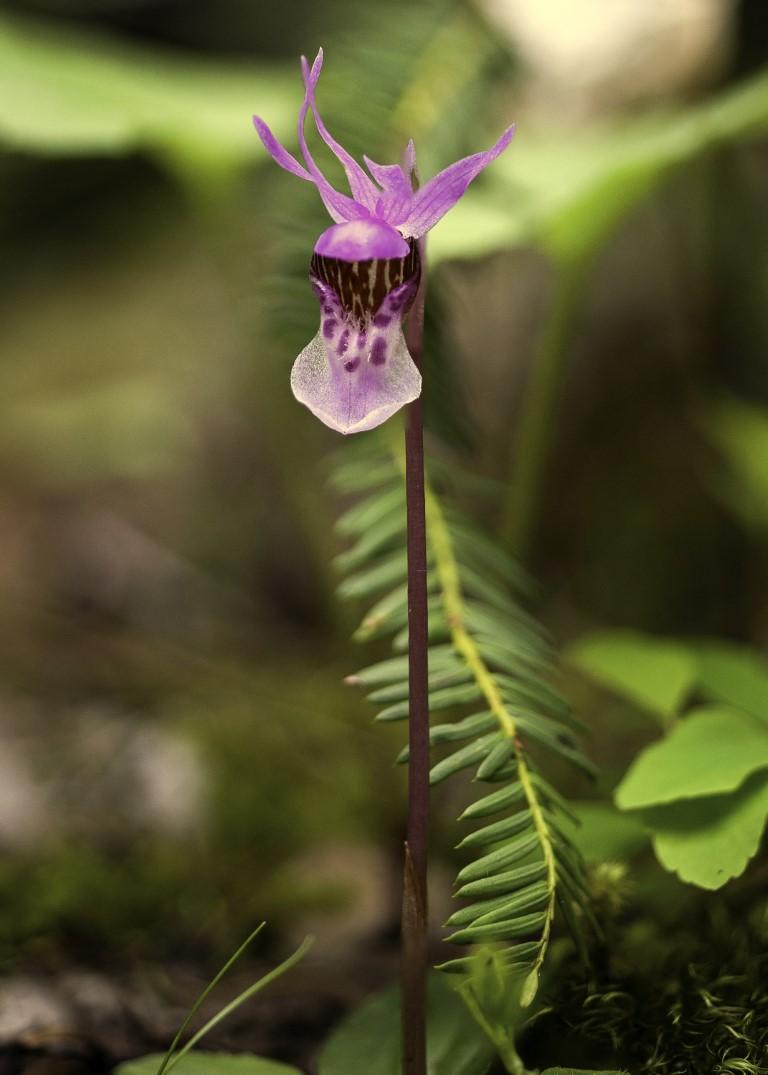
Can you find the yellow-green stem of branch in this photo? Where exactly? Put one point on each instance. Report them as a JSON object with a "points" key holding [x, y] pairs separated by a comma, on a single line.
{"points": [[446, 567]]}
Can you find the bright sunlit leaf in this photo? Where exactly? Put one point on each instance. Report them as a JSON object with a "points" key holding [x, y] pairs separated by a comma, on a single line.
{"points": [[654, 674], [567, 190], [208, 1064], [605, 833], [708, 841], [734, 674], [67, 92], [712, 750]]}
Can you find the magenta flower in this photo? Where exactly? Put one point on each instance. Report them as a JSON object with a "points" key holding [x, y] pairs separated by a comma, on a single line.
{"points": [[365, 271]]}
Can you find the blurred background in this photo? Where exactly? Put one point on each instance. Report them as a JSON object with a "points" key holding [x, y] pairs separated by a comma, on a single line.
{"points": [[179, 758]]}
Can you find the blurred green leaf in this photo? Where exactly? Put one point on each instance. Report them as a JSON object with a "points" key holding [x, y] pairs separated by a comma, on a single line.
{"points": [[567, 189], [734, 674], [604, 832], [369, 1040], [711, 751], [580, 1071], [208, 1064], [656, 675], [708, 841], [67, 92], [132, 428], [740, 431]]}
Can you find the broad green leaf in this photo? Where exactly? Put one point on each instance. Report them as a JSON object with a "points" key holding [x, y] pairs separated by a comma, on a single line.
{"points": [[567, 193], [708, 841], [712, 750], [68, 92], [369, 1040], [208, 1064], [734, 674], [654, 674], [604, 832]]}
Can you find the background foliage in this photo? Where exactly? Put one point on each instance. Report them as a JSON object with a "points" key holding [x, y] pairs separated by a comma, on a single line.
{"points": [[181, 757]]}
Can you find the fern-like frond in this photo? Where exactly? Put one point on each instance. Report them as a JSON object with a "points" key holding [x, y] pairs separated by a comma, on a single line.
{"points": [[490, 660]]}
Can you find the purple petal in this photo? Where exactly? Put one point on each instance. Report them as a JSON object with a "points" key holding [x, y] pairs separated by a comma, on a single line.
{"points": [[350, 397], [363, 190], [441, 193], [394, 205], [390, 177], [338, 205], [278, 152], [361, 240], [353, 375]]}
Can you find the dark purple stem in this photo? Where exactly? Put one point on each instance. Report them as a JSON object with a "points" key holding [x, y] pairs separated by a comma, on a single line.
{"points": [[414, 921]]}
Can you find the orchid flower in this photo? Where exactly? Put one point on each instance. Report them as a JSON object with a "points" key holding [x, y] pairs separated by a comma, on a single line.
{"points": [[365, 271]]}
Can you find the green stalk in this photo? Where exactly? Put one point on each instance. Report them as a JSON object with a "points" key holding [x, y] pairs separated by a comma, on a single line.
{"points": [[535, 430]]}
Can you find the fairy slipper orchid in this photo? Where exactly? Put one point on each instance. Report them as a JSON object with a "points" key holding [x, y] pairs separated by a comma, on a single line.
{"points": [[365, 272]]}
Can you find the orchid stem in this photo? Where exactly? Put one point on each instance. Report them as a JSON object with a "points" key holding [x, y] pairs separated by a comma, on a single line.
{"points": [[414, 918]]}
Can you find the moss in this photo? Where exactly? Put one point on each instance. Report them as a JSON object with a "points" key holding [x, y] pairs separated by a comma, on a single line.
{"points": [[690, 998]]}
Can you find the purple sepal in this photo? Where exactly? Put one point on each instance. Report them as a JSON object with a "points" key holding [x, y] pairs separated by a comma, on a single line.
{"points": [[409, 163], [390, 177], [363, 190], [395, 203], [435, 198], [340, 206], [361, 240], [278, 153], [390, 199]]}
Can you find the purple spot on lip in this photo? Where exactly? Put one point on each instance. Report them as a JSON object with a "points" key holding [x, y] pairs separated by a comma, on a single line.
{"points": [[329, 327], [361, 340], [343, 342], [351, 364], [379, 351], [381, 320]]}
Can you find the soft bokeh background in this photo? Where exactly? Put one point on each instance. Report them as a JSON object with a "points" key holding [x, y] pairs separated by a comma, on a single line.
{"points": [[178, 756]]}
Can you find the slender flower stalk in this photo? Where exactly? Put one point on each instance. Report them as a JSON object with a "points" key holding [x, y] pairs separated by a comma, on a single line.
{"points": [[415, 903]]}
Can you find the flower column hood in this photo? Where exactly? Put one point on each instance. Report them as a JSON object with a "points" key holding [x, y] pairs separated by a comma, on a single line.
{"points": [[365, 272]]}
